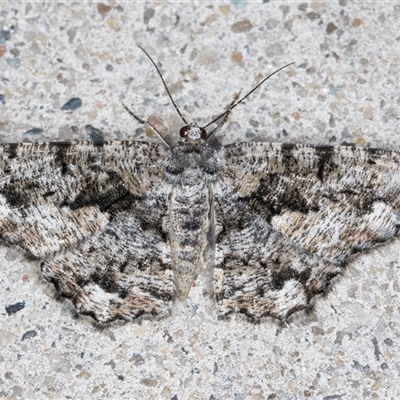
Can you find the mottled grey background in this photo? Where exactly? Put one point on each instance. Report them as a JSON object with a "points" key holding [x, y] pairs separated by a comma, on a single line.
{"points": [[344, 88]]}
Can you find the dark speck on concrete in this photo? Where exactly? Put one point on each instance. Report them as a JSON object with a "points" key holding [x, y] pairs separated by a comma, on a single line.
{"points": [[95, 134], [358, 366], [388, 342], [137, 359], [14, 62], [148, 14], [34, 131], [384, 365], [28, 335], [111, 363], [376, 348], [4, 36], [72, 104], [14, 308], [127, 81]]}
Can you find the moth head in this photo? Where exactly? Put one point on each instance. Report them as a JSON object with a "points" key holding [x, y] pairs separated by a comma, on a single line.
{"points": [[193, 132]]}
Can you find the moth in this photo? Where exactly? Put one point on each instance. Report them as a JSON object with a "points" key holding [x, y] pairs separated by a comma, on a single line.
{"points": [[123, 228]]}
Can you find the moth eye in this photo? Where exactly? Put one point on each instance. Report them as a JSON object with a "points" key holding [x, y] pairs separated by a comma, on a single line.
{"points": [[184, 132], [203, 133]]}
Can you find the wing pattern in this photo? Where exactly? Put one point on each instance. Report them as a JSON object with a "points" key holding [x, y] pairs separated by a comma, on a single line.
{"points": [[290, 216], [95, 213], [284, 219]]}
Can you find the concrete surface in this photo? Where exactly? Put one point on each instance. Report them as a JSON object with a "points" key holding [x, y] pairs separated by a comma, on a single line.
{"points": [[344, 87]]}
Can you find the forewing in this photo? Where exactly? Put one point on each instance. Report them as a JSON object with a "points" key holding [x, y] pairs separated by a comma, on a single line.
{"points": [[300, 212], [53, 195]]}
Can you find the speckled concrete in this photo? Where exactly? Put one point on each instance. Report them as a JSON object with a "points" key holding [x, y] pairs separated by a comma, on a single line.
{"points": [[344, 87]]}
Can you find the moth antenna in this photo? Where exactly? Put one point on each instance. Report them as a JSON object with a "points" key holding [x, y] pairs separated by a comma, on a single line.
{"points": [[165, 85], [230, 108], [142, 121]]}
